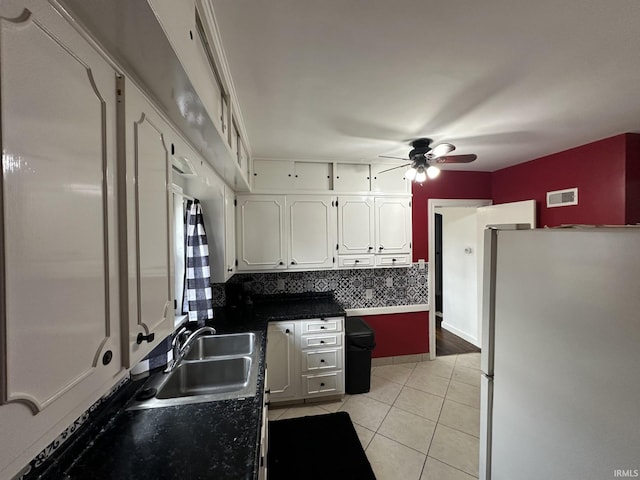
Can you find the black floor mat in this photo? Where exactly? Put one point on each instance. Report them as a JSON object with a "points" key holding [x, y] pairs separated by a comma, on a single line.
{"points": [[318, 447]]}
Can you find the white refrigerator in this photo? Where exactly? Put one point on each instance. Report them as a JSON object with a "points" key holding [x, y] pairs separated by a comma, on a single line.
{"points": [[560, 390]]}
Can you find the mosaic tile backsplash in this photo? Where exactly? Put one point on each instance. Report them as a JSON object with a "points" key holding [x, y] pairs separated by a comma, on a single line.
{"points": [[389, 286]]}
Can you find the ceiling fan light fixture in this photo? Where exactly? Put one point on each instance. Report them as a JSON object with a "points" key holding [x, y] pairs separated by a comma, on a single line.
{"points": [[433, 172], [410, 174], [421, 176]]}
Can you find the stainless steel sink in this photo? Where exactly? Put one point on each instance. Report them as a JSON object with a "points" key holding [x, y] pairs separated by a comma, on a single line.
{"points": [[207, 377], [219, 367], [222, 346]]}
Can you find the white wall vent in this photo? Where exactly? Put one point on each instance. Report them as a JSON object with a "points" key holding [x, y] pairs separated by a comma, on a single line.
{"points": [[562, 198], [183, 166]]}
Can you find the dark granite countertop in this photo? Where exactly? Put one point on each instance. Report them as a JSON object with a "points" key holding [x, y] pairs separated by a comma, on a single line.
{"points": [[215, 440]]}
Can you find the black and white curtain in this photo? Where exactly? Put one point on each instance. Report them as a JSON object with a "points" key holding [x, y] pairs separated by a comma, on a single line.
{"points": [[197, 298]]}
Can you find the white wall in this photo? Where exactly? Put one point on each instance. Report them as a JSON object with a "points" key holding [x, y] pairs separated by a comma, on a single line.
{"points": [[460, 272]]}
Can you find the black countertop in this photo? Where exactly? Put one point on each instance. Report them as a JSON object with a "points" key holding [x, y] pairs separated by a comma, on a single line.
{"points": [[215, 440]]}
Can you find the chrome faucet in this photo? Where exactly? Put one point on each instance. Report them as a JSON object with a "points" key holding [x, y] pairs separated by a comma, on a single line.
{"points": [[181, 346]]}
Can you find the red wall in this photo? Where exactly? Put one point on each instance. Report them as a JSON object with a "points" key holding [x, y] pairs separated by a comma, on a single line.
{"points": [[399, 334], [597, 169], [450, 184], [607, 174]]}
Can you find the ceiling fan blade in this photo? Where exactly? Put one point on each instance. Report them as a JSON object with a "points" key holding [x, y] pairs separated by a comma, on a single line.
{"points": [[393, 168], [441, 150], [457, 159], [397, 158]]}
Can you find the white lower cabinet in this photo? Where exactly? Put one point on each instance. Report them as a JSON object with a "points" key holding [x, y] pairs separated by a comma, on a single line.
{"points": [[282, 361], [314, 366]]}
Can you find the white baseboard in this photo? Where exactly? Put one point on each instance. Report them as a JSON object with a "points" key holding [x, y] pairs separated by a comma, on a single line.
{"points": [[460, 333]]}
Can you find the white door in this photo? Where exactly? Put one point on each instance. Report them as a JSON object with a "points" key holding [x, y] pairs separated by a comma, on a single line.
{"points": [[149, 229], [59, 278], [355, 225], [281, 360], [393, 225], [261, 239], [311, 227]]}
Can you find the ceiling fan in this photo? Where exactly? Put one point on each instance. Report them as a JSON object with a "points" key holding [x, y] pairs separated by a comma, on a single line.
{"points": [[423, 159]]}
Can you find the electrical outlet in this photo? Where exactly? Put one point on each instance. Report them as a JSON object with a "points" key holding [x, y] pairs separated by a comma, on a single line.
{"points": [[280, 285], [389, 282], [421, 264], [368, 293]]}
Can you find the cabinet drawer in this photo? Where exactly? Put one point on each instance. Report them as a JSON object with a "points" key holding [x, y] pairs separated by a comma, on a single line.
{"points": [[393, 260], [354, 261], [321, 359], [323, 384], [330, 324], [320, 340]]}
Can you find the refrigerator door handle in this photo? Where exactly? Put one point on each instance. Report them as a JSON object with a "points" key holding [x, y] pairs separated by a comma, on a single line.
{"points": [[488, 300], [486, 422]]}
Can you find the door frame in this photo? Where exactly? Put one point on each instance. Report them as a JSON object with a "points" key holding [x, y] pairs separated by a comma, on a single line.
{"points": [[432, 204]]}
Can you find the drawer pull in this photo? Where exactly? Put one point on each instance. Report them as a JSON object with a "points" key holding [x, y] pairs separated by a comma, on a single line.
{"points": [[322, 327], [322, 384], [322, 341], [322, 360], [287, 331]]}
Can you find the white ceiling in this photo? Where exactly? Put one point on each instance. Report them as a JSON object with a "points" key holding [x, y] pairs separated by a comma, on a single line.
{"points": [[507, 80]]}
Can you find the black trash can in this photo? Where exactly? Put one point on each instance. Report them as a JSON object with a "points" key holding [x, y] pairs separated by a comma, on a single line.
{"points": [[360, 340]]}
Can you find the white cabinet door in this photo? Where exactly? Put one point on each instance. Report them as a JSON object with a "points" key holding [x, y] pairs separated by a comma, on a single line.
{"points": [[60, 307], [393, 225], [149, 216], [355, 225], [311, 229], [273, 175], [261, 232], [312, 175], [230, 232], [389, 181], [352, 177], [282, 360]]}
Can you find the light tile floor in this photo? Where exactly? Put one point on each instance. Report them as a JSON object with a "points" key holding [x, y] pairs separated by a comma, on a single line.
{"points": [[420, 421]]}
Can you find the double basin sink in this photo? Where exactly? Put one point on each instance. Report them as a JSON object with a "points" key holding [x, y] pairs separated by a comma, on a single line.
{"points": [[216, 367]]}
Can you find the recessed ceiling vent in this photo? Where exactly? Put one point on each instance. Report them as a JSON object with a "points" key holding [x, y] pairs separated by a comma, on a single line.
{"points": [[562, 198], [183, 166]]}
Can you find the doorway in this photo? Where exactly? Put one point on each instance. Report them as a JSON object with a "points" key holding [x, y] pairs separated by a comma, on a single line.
{"points": [[457, 267]]}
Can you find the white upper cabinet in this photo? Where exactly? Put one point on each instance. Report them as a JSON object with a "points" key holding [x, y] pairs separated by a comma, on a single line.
{"points": [[355, 225], [384, 180], [261, 232], [311, 229], [392, 225], [60, 294], [147, 173], [273, 175], [312, 176], [352, 177]]}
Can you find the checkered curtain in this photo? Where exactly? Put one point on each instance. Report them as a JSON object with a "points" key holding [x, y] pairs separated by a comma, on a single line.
{"points": [[197, 299]]}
